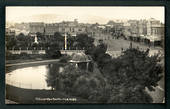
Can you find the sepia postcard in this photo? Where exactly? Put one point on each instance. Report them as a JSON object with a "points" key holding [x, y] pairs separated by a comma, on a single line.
{"points": [[84, 54]]}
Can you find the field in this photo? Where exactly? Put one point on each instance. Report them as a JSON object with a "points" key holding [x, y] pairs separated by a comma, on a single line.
{"points": [[118, 44]]}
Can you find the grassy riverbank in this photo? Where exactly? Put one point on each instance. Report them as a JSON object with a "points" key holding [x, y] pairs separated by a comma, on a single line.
{"points": [[36, 96]]}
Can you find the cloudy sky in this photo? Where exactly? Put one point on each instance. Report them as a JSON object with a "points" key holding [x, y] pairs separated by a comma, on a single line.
{"points": [[90, 14]]}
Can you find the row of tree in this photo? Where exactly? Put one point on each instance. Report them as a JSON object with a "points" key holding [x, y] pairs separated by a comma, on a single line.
{"points": [[57, 41]]}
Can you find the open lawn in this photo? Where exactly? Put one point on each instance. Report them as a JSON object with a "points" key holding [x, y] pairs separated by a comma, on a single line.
{"points": [[29, 96], [118, 44]]}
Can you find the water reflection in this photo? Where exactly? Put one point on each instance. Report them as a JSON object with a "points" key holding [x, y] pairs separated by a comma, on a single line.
{"points": [[32, 77], [52, 77]]}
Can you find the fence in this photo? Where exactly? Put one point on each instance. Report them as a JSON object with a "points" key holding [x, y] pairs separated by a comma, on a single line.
{"points": [[27, 51], [43, 51]]}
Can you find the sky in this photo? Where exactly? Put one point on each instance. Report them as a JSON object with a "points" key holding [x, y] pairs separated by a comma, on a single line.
{"points": [[84, 14]]}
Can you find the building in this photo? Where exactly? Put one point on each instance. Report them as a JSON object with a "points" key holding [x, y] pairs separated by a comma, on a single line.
{"points": [[142, 27], [148, 31], [70, 27], [35, 27], [82, 61], [126, 30], [50, 29], [134, 29], [155, 31], [10, 32], [22, 26], [117, 29]]}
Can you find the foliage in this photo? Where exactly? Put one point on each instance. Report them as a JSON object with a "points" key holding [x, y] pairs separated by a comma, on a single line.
{"points": [[52, 53], [56, 41], [65, 58], [97, 52], [18, 41], [11, 42], [80, 83], [129, 75], [71, 42], [23, 41], [52, 75], [113, 80], [83, 41], [40, 36]]}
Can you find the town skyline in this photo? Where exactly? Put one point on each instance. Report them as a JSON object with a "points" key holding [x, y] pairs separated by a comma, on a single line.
{"points": [[114, 20], [89, 15]]}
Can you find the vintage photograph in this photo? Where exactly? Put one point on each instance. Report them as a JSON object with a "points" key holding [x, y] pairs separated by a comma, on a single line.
{"points": [[84, 54]]}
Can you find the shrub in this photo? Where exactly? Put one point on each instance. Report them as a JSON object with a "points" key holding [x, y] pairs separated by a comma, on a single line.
{"points": [[130, 74], [65, 58], [55, 54], [80, 83]]}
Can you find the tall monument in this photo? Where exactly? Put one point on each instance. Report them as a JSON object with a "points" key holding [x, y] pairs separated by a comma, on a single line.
{"points": [[36, 40], [65, 38]]}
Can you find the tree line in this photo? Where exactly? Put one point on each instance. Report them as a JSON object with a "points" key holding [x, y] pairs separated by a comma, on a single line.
{"points": [[56, 41]]}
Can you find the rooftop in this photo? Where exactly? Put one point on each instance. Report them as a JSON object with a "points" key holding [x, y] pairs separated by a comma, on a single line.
{"points": [[80, 57]]}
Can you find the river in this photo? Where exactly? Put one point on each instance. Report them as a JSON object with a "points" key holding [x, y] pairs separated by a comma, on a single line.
{"points": [[29, 77]]}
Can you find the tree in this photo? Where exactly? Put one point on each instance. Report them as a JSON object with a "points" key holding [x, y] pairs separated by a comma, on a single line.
{"points": [[79, 83], [53, 45], [83, 41], [41, 37], [98, 51], [57, 41], [11, 42], [71, 41], [129, 75], [53, 53], [23, 41], [52, 75]]}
